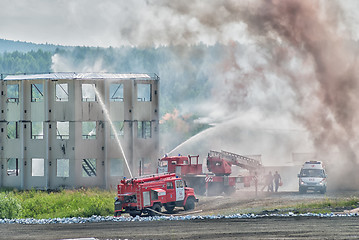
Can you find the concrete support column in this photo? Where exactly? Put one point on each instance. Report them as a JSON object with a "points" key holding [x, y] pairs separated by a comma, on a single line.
{"points": [[107, 131], [25, 131], [131, 99], [3, 162], [48, 125]]}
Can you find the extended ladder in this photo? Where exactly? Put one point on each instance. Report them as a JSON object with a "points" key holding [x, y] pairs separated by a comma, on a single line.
{"points": [[236, 159]]}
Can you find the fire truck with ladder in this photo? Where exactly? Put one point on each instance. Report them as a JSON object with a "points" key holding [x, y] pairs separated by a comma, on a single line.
{"points": [[219, 165], [149, 194]]}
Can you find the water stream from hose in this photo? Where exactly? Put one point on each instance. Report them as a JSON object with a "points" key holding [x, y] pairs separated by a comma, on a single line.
{"points": [[193, 138], [107, 115]]}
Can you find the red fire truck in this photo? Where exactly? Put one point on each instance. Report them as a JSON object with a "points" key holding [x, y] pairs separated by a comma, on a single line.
{"points": [[148, 194], [219, 165]]}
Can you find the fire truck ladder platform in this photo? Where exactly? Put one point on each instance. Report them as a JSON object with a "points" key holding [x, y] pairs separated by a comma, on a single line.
{"points": [[245, 162], [154, 175]]}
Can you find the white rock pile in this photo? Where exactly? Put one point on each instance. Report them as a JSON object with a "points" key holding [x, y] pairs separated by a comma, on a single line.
{"points": [[96, 219]]}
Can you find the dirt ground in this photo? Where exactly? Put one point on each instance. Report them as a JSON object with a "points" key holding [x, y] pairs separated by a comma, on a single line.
{"points": [[250, 202], [241, 202]]}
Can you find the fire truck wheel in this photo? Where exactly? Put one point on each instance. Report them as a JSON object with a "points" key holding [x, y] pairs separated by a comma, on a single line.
{"points": [[157, 207], [189, 204], [170, 208], [135, 214]]}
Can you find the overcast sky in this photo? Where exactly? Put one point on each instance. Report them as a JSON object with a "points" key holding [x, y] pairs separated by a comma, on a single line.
{"points": [[306, 70], [122, 22]]}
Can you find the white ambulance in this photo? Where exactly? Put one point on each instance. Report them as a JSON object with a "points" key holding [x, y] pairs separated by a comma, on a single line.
{"points": [[313, 177]]}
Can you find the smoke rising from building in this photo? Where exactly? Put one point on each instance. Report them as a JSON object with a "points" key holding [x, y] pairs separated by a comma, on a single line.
{"points": [[291, 60], [304, 43], [291, 37]]}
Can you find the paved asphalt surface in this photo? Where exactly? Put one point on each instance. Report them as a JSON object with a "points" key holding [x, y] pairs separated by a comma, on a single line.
{"points": [[260, 228]]}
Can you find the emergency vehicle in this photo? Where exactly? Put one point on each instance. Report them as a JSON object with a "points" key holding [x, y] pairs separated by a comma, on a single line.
{"points": [[150, 193], [313, 177], [218, 179]]}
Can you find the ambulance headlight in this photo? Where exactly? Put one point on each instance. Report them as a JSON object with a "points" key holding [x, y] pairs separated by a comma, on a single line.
{"points": [[302, 183]]}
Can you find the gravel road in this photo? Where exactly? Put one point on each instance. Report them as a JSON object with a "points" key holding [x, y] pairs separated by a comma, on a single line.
{"points": [[260, 228]]}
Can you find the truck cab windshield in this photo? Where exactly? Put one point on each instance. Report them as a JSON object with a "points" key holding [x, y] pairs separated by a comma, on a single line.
{"points": [[312, 173], [162, 163], [179, 184]]}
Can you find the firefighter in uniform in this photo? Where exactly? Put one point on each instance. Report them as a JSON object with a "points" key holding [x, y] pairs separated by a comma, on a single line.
{"points": [[268, 182], [277, 180]]}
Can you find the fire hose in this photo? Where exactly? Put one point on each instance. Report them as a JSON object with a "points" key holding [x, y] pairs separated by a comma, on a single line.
{"points": [[177, 214]]}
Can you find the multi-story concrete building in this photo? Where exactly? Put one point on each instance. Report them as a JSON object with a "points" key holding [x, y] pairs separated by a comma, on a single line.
{"points": [[54, 129]]}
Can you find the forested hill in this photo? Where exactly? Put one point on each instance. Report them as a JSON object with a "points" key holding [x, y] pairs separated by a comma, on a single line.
{"points": [[26, 57], [11, 46], [30, 62]]}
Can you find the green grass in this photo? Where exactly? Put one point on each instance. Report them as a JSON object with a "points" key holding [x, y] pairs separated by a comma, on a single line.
{"points": [[64, 203], [94, 201], [328, 205]]}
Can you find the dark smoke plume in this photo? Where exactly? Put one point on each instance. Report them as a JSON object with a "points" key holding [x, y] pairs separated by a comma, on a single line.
{"points": [[324, 77], [317, 38], [287, 57]]}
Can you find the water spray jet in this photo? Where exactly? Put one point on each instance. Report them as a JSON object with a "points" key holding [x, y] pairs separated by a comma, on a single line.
{"points": [[107, 115], [189, 139]]}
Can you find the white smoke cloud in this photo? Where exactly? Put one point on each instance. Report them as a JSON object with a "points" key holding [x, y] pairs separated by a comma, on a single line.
{"points": [[65, 64], [289, 62]]}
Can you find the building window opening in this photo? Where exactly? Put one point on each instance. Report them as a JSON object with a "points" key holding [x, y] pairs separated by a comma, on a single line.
{"points": [[37, 130], [12, 130], [144, 129], [12, 93], [37, 92], [61, 92], [144, 93], [63, 168], [89, 167], [118, 125], [88, 130], [116, 93], [116, 167], [88, 92], [62, 130], [37, 167], [12, 167]]}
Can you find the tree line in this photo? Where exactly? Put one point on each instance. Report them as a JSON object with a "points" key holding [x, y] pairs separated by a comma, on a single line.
{"points": [[30, 62]]}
